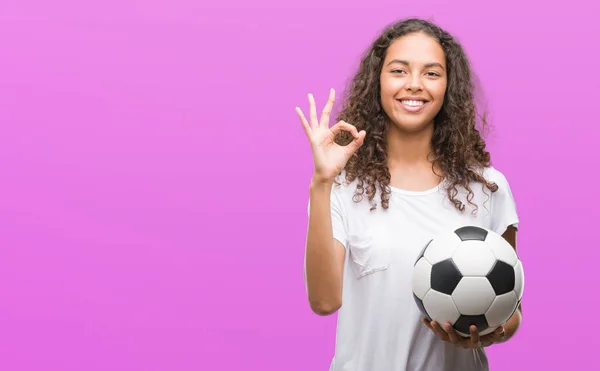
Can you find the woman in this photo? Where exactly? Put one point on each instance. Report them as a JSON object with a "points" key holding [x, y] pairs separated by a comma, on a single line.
{"points": [[404, 163]]}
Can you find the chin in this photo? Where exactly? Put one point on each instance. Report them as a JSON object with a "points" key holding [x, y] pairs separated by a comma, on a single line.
{"points": [[412, 125]]}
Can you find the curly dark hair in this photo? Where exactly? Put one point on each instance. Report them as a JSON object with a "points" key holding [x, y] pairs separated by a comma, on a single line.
{"points": [[458, 148]]}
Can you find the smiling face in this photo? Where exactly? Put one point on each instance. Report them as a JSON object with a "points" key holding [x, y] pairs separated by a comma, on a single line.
{"points": [[413, 82]]}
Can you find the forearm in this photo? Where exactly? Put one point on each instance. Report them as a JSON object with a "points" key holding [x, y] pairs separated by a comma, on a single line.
{"points": [[322, 273], [513, 324]]}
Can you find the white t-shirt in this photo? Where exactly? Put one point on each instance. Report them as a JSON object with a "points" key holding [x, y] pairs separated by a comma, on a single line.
{"points": [[379, 326]]}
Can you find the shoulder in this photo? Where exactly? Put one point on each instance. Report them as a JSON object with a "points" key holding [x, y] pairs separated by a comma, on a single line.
{"points": [[504, 194], [492, 174], [504, 208]]}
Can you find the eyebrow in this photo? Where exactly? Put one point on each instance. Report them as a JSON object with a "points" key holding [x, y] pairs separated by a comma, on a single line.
{"points": [[428, 65]]}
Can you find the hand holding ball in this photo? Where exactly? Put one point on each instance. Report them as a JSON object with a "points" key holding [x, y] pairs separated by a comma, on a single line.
{"points": [[470, 276]]}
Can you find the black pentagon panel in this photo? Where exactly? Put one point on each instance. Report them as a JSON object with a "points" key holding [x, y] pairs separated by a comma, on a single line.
{"points": [[465, 322], [421, 307], [502, 277], [471, 232], [445, 276], [422, 253]]}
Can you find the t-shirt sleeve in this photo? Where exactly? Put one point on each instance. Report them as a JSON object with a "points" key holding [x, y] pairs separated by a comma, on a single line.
{"points": [[504, 209], [338, 217]]}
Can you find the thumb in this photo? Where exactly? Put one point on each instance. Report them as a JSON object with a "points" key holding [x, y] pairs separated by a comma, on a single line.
{"points": [[359, 140], [356, 143]]}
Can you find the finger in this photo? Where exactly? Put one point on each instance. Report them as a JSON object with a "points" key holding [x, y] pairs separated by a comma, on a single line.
{"points": [[360, 139], [494, 337], [314, 121], [453, 335], [474, 336], [435, 330], [303, 121], [487, 340], [327, 110], [342, 125], [500, 334], [439, 331], [426, 323]]}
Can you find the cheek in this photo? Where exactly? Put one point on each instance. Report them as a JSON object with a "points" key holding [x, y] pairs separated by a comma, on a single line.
{"points": [[438, 90], [386, 89], [390, 86], [389, 91]]}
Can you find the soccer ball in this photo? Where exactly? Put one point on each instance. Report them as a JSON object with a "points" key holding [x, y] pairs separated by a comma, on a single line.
{"points": [[471, 276]]}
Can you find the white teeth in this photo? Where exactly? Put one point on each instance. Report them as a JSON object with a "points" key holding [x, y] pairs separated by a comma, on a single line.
{"points": [[413, 103]]}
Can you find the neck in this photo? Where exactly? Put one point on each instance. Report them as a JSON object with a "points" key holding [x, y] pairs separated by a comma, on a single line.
{"points": [[408, 149]]}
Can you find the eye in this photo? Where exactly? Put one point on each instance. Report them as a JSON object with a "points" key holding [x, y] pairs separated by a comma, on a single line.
{"points": [[431, 73], [397, 71]]}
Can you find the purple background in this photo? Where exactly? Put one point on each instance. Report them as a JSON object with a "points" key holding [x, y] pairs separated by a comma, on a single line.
{"points": [[154, 175]]}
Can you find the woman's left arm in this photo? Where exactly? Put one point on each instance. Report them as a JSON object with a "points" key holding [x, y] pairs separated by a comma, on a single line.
{"points": [[513, 324]]}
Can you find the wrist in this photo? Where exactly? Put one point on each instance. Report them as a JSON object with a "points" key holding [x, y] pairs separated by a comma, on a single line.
{"points": [[319, 182]]}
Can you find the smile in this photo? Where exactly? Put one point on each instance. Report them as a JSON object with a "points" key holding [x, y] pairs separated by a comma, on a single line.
{"points": [[413, 105]]}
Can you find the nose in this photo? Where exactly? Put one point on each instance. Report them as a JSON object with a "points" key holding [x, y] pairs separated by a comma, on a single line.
{"points": [[414, 83]]}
